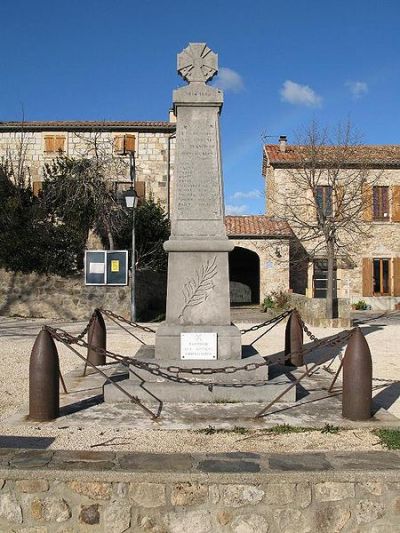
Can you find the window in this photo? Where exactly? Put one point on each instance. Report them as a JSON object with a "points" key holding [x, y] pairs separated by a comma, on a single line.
{"points": [[381, 277], [380, 203], [320, 279], [124, 144], [54, 144], [324, 199]]}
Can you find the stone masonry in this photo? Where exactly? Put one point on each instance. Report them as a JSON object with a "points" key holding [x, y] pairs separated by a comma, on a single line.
{"points": [[154, 149], [45, 491]]}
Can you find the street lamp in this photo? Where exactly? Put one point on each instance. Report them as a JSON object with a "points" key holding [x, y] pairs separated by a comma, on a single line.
{"points": [[131, 202]]}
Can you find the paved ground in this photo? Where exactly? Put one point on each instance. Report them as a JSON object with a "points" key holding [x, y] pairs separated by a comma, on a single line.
{"points": [[91, 423]]}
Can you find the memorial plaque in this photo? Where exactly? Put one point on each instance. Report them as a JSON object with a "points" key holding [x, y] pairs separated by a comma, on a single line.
{"points": [[200, 346]]}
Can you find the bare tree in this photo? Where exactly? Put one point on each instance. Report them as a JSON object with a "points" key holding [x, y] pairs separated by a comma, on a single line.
{"points": [[328, 174]]}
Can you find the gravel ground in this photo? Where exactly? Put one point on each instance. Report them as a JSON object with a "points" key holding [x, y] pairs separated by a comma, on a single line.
{"points": [[16, 340]]}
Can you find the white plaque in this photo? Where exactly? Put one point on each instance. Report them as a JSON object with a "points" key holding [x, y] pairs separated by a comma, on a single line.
{"points": [[199, 346], [96, 268]]}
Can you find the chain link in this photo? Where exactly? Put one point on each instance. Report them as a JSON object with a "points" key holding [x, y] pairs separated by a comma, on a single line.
{"points": [[122, 319], [87, 327], [277, 318]]}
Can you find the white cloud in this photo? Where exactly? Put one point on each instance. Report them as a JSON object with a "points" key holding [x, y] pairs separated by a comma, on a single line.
{"points": [[230, 80], [235, 209], [357, 88], [294, 93], [241, 195]]}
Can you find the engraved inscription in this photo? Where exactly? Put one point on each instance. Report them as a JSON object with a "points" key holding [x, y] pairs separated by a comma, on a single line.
{"points": [[198, 194]]}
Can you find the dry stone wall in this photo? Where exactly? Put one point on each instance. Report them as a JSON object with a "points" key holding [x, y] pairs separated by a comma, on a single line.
{"points": [[40, 296]]}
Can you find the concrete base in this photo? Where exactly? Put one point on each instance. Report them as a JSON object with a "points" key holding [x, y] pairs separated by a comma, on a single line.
{"points": [[168, 341], [239, 386]]}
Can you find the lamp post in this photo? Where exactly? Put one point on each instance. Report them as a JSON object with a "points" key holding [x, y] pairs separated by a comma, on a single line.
{"points": [[131, 201]]}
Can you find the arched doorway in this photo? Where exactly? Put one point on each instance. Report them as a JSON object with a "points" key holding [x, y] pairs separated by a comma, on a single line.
{"points": [[244, 276]]}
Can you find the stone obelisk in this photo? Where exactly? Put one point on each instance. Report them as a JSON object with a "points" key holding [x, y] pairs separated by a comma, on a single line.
{"points": [[198, 274]]}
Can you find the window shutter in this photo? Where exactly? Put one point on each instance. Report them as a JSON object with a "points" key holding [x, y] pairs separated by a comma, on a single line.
{"points": [[396, 276], [140, 188], [367, 273], [396, 203], [119, 144], [129, 143], [36, 187], [59, 143], [49, 143], [339, 197], [367, 213]]}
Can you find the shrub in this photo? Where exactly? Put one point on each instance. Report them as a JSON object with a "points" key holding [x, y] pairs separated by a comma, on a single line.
{"points": [[361, 305], [276, 300]]}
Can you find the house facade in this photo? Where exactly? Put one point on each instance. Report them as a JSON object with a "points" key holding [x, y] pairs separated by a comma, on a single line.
{"points": [[369, 269], [35, 144]]}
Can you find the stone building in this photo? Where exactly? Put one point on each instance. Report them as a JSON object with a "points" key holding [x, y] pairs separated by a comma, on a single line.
{"points": [[153, 143], [371, 269]]}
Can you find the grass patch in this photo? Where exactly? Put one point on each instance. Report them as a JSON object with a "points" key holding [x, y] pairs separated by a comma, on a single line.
{"points": [[328, 428], [283, 429], [211, 430], [390, 438]]}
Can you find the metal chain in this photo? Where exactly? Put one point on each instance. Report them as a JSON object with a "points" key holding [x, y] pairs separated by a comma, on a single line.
{"points": [[156, 369], [87, 327], [122, 319], [277, 318]]}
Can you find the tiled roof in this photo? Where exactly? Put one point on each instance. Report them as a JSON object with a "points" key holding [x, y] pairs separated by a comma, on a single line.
{"points": [[384, 154], [113, 125], [257, 226]]}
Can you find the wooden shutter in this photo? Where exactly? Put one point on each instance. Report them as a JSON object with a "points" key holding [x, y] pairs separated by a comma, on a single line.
{"points": [[367, 277], [49, 143], [129, 143], [140, 188], [396, 203], [36, 187], [367, 213], [119, 144], [396, 276], [59, 143], [339, 198]]}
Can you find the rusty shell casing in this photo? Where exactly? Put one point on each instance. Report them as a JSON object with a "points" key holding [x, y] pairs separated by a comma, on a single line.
{"points": [[97, 338], [357, 379], [294, 340], [44, 372]]}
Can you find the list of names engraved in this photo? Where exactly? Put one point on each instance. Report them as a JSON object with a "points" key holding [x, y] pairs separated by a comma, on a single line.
{"points": [[198, 192]]}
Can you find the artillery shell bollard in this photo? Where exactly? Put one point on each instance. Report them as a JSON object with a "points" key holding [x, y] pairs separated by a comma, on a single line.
{"points": [[294, 340], [357, 379], [44, 372], [97, 339]]}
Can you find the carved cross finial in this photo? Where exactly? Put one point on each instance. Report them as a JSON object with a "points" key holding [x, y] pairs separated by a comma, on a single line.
{"points": [[197, 62]]}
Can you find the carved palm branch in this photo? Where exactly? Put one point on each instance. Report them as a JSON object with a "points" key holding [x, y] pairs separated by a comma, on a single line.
{"points": [[197, 289]]}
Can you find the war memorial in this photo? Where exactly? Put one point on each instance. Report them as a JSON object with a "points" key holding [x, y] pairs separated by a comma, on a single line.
{"points": [[197, 372]]}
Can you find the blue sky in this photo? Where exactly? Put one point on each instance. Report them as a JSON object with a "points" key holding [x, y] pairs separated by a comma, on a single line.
{"points": [[283, 63]]}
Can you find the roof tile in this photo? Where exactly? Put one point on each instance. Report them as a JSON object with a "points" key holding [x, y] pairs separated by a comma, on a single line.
{"points": [[257, 226]]}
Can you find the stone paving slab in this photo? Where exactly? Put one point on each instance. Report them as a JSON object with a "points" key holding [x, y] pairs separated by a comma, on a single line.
{"points": [[229, 463]]}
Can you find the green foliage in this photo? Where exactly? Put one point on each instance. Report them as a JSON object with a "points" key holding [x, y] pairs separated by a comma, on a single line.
{"points": [[390, 438], [151, 231], [283, 429], [30, 238], [278, 300], [329, 428], [361, 305]]}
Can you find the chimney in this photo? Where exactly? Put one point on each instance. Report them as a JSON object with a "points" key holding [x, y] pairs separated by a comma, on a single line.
{"points": [[171, 116], [282, 143]]}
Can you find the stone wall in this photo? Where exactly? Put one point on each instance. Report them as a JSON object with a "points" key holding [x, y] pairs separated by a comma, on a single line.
{"points": [[40, 296], [64, 491], [313, 311], [155, 153]]}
